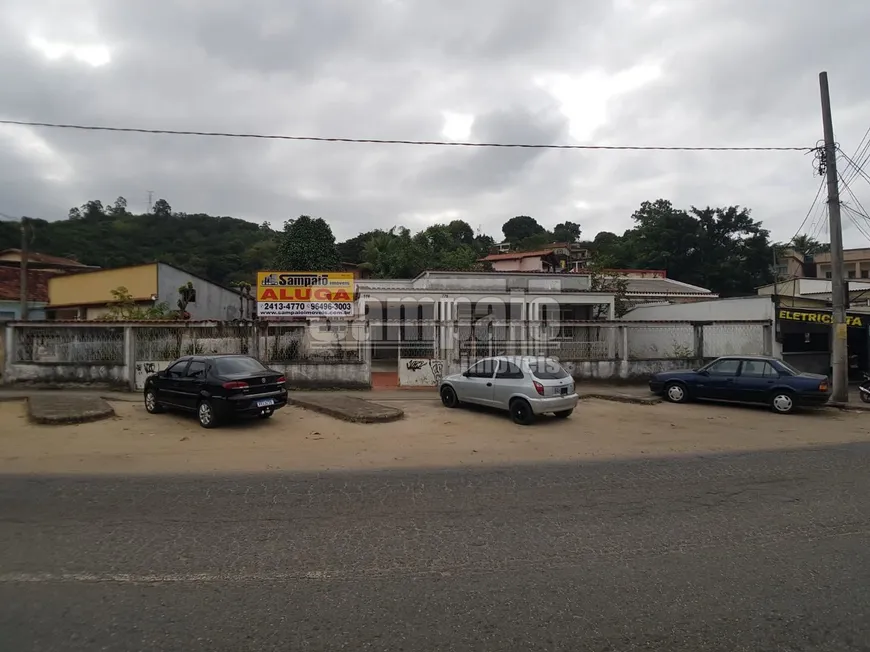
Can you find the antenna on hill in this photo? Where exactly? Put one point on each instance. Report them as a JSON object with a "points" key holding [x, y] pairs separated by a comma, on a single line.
{"points": [[150, 197]]}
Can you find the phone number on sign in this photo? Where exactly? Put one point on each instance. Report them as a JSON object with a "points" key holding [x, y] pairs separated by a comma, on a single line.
{"points": [[304, 309]]}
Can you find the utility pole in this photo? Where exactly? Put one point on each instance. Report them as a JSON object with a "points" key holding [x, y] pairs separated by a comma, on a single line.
{"points": [[839, 351], [150, 196], [25, 246]]}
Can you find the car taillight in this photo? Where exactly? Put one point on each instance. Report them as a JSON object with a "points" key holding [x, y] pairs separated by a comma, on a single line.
{"points": [[281, 380], [823, 386], [539, 388], [235, 384]]}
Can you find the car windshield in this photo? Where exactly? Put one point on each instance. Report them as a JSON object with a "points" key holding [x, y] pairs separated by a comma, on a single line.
{"points": [[239, 365], [547, 370]]}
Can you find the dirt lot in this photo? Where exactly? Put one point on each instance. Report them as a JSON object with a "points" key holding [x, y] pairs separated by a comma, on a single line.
{"points": [[430, 435]]}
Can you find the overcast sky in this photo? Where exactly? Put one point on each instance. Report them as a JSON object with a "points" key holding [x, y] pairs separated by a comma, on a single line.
{"points": [[620, 72]]}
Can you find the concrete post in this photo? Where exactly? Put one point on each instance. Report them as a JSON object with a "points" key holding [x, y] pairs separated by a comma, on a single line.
{"points": [[10, 353], [130, 357], [768, 336], [624, 334], [698, 335]]}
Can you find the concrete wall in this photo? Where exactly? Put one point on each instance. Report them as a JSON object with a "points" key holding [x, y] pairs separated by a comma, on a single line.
{"points": [[114, 376], [421, 372], [428, 373], [326, 375], [673, 340], [212, 301], [714, 310], [626, 371]]}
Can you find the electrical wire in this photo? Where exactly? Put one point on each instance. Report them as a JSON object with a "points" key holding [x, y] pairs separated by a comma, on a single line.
{"points": [[378, 141], [861, 155], [812, 206], [854, 198], [820, 222], [849, 213], [857, 169]]}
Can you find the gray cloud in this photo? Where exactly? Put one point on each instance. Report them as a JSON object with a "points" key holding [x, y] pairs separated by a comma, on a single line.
{"points": [[729, 72]]}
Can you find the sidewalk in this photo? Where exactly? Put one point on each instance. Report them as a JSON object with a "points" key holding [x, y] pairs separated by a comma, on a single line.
{"points": [[639, 394]]}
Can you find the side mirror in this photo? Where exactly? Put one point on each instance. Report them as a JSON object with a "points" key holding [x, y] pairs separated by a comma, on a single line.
{"points": [[703, 372], [465, 374]]}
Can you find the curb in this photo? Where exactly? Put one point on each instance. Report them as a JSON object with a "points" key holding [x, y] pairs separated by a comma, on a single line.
{"points": [[70, 419], [390, 413], [622, 398]]}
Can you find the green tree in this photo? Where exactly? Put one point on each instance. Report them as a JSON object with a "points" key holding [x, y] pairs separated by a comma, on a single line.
{"points": [[567, 232], [603, 279], [806, 245], [462, 232], [351, 251], [521, 227], [124, 308], [119, 208], [162, 208], [722, 249], [307, 244]]}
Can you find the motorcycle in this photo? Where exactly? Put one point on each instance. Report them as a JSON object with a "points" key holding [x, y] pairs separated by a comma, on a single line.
{"points": [[864, 388]]}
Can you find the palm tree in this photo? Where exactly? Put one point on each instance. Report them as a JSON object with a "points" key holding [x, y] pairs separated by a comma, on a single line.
{"points": [[806, 245]]}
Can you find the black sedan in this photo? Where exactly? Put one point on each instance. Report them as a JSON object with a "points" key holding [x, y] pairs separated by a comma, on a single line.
{"points": [[745, 379], [217, 387]]}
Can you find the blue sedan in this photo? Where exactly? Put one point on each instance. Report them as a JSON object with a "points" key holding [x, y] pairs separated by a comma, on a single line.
{"points": [[745, 379]]}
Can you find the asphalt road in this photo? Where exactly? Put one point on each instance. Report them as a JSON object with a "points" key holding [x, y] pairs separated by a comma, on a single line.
{"points": [[762, 551]]}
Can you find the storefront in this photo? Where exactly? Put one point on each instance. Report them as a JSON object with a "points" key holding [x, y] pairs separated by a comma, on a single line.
{"points": [[806, 336]]}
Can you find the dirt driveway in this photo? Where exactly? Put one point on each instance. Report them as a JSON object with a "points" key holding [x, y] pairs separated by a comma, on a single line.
{"points": [[430, 435]]}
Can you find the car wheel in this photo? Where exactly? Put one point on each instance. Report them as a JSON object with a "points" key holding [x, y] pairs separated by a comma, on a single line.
{"points": [[206, 414], [676, 393], [782, 402], [448, 397], [152, 405], [521, 412], [563, 414]]}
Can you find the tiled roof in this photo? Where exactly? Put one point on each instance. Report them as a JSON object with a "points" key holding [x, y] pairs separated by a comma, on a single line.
{"points": [[36, 257], [517, 255], [37, 284]]}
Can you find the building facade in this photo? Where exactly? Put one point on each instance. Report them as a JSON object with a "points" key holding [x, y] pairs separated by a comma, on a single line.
{"points": [[856, 264], [88, 295]]}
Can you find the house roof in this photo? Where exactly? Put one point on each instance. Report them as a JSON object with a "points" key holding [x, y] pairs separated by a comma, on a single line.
{"points": [[37, 284], [517, 255], [660, 286], [36, 257]]}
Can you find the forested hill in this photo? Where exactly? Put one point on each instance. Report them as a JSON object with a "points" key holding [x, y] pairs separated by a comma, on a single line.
{"points": [[722, 249], [222, 249]]}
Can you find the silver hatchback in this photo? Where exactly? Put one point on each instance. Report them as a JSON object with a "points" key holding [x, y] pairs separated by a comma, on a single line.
{"points": [[525, 386]]}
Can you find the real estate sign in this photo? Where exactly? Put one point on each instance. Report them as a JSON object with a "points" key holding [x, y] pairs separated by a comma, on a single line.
{"points": [[305, 294]]}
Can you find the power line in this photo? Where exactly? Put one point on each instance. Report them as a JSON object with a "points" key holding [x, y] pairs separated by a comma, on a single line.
{"points": [[812, 206], [849, 213], [858, 169], [378, 141], [861, 152], [853, 196]]}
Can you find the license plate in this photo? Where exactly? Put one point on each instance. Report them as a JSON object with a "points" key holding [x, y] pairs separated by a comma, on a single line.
{"points": [[563, 390], [266, 402]]}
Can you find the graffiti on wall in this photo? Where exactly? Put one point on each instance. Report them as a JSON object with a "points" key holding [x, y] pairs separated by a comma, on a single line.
{"points": [[437, 367], [420, 372], [145, 369]]}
